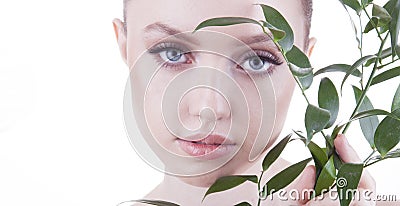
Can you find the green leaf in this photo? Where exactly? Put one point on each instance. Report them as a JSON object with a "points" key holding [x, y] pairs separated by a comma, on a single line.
{"points": [[315, 120], [229, 182], [353, 67], [369, 113], [319, 156], [274, 153], [306, 81], [386, 75], [395, 26], [385, 54], [299, 62], [336, 130], [285, 177], [380, 18], [155, 202], [370, 25], [276, 33], [276, 19], [337, 161], [396, 99], [300, 72], [365, 3], [243, 204], [368, 125], [387, 135], [338, 68], [328, 99], [353, 4], [348, 177], [298, 58], [225, 21], [326, 177], [381, 13], [389, 6]]}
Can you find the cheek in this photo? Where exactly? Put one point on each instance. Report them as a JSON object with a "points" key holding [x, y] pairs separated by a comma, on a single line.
{"points": [[153, 106], [284, 85]]}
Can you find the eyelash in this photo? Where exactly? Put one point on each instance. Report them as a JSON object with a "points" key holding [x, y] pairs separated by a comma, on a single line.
{"points": [[165, 46], [264, 56]]}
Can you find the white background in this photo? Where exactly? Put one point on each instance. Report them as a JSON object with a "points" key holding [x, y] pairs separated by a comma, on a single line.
{"points": [[62, 138]]}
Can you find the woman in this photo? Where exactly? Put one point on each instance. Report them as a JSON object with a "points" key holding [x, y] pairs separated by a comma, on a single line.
{"points": [[211, 103]]}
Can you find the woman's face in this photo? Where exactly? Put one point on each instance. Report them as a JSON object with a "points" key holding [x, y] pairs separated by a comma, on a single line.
{"points": [[209, 102]]}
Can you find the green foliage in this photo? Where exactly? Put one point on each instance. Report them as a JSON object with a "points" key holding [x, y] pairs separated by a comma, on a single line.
{"points": [[338, 68], [354, 4], [243, 204], [382, 136], [368, 125], [225, 21], [386, 75], [155, 202], [274, 153], [395, 25], [354, 67], [229, 182], [298, 62], [328, 99], [387, 135], [316, 120], [326, 178], [347, 180], [319, 156], [396, 99], [380, 18], [276, 33], [285, 177], [275, 19]]}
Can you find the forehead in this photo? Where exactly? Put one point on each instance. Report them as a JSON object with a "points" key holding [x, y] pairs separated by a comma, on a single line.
{"points": [[185, 15]]}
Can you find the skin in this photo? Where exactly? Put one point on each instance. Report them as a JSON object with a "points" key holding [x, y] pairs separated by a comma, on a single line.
{"points": [[189, 190]]}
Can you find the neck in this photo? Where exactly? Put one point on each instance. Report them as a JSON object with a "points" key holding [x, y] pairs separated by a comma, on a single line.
{"points": [[175, 190]]}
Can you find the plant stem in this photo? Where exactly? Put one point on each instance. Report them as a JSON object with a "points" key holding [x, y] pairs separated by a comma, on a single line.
{"points": [[287, 62], [302, 90], [364, 93], [367, 165], [259, 188], [361, 53], [369, 157], [383, 65], [373, 24]]}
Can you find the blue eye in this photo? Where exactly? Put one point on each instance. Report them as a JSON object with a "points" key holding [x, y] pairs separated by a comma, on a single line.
{"points": [[259, 61], [173, 55], [255, 63]]}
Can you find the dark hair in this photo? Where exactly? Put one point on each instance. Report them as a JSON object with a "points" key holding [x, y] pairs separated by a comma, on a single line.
{"points": [[307, 8]]}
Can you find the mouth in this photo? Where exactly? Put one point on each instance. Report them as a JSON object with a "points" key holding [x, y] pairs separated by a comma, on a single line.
{"points": [[210, 147]]}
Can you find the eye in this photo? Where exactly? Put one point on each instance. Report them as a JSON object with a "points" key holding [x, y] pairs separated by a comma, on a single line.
{"points": [[256, 64], [173, 55], [259, 62]]}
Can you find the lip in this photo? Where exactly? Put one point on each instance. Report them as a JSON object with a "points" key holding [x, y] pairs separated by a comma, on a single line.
{"points": [[211, 147]]}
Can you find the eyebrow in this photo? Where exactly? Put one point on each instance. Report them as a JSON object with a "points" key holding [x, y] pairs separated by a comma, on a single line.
{"points": [[255, 39], [169, 30]]}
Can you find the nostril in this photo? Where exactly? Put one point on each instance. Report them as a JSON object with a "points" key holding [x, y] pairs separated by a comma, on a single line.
{"points": [[207, 114]]}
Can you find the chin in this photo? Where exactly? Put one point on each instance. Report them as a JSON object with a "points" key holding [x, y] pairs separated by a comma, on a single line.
{"points": [[205, 180]]}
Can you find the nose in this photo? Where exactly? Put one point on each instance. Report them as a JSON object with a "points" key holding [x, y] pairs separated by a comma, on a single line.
{"points": [[211, 96], [206, 98]]}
